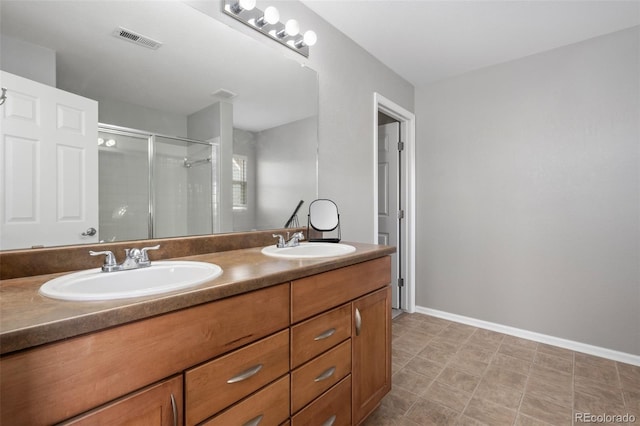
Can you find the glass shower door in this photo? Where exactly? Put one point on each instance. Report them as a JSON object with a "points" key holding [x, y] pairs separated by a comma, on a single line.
{"points": [[123, 168], [185, 189]]}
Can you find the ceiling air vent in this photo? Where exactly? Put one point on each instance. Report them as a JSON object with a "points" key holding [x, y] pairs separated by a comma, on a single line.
{"points": [[133, 37], [224, 94]]}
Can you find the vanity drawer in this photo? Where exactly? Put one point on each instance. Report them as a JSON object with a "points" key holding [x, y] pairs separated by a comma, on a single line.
{"points": [[318, 334], [215, 385], [318, 293], [268, 407], [320, 374], [331, 408]]}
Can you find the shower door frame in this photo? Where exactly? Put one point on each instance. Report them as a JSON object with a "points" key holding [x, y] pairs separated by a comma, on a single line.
{"points": [[151, 141]]}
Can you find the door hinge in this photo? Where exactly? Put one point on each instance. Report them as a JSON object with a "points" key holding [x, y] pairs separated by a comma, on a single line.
{"points": [[400, 282], [400, 146], [400, 214]]}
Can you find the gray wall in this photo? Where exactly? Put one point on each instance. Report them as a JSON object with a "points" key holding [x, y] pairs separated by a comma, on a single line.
{"points": [[528, 193], [285, 172]]}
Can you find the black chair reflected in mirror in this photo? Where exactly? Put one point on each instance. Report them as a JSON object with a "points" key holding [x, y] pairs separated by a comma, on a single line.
{"points": [[324, 218]]}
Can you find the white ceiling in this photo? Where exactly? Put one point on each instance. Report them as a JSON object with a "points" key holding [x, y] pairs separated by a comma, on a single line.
{"points": [[195, 60], [425, 40]]}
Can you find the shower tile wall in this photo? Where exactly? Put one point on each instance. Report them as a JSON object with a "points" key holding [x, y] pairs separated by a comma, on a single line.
{"points": [[123, 193]]}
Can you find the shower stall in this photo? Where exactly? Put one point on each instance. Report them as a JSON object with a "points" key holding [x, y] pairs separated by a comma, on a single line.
{"points": [[156, 186]]}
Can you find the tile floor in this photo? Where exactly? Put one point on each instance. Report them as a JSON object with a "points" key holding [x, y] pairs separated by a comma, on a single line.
{"points": [[446, 373]]}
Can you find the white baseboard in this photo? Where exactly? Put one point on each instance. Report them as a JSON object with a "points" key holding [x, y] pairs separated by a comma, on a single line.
{"points": [[537, 337]]}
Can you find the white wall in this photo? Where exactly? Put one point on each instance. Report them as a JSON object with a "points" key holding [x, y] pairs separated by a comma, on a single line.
{"points": [[244, 143], [529, 193], [211, 122], [28, 60], [132, 116]]}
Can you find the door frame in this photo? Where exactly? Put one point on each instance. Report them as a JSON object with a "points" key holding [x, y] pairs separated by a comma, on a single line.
{"points": [[407, 121]]}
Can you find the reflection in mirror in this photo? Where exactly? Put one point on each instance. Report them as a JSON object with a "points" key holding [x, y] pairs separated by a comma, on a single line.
{"points": [[207, 131]]}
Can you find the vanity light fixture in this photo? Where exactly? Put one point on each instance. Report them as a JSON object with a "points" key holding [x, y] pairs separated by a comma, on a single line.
{"points": [[268, 23]]}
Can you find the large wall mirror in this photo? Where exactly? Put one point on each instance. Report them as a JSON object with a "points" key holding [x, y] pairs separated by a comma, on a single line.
{"points": [[200, 129]]}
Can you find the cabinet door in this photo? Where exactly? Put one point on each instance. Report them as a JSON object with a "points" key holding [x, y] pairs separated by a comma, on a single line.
{"points": [[371, 352], [157, 405]]}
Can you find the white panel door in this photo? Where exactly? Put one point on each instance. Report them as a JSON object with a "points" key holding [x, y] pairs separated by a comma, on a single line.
{"points": [[49, 166], [388, 203]]}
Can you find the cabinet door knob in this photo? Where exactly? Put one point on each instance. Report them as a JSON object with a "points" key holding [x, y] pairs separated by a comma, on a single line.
{"points": [[330, 332], [330, 421], [245, 374], [325, 375], [358, 322], [174, 408], [255, 421]]}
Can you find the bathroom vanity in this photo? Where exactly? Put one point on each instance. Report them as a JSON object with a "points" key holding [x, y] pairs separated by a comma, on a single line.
{"points": [[269, 342]]}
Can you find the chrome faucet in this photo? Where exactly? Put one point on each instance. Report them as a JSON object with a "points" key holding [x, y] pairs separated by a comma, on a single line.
{"points": [[292, 242], [135, 259]]}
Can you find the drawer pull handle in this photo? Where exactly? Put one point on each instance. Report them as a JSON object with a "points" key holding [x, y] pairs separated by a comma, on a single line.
{"points": [[174, 409], [358, 322], [330, 421], [330, 332], [245, 374], [325, 375], [255, 421]]}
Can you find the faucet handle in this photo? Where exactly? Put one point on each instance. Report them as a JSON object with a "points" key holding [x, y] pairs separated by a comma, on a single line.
{"points": [[109, 260], [133, 253], [280, 238], [144, 256]]}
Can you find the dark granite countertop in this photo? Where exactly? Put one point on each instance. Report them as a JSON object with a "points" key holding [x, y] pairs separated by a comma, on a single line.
{"points": [[28, 319]]}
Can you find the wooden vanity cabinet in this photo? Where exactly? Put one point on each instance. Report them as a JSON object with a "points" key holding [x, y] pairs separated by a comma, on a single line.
{"points": [[316, 350], [319, 305], [55, 382]]}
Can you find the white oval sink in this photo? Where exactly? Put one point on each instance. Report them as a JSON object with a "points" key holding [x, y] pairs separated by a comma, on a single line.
{"points": [[160, 277], [309, 250]]}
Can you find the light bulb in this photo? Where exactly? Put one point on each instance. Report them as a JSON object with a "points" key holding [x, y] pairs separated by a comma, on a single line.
{"points": [[271, 15], [292, 27], [100, 141], [110, 143], [310, 38], [247, 4]]}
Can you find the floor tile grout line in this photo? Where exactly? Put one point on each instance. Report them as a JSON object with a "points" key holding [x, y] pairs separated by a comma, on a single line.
{"points": [[480, 381], [526, 384]]}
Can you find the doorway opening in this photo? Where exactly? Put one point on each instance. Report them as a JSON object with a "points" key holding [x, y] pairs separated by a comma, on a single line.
{"points": [[394, 195]]}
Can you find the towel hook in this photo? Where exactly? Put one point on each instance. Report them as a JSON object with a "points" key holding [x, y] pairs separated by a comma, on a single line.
{"points": [[3, 97]]}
